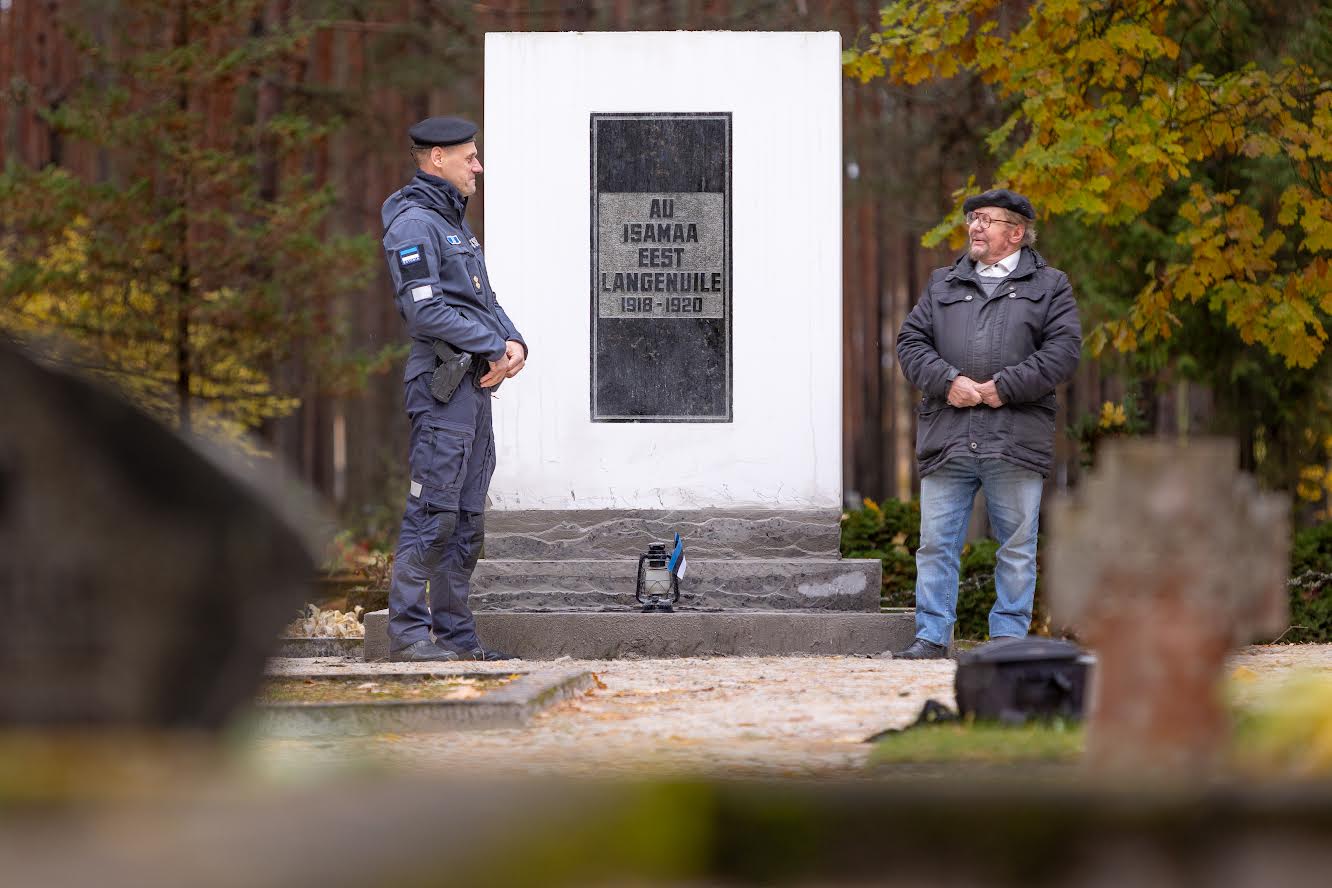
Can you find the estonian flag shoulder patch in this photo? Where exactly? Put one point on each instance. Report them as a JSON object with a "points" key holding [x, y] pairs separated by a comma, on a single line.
{"points": [[411, 263]]}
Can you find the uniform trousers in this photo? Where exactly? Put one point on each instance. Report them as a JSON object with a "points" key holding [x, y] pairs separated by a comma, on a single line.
{"points": [[452, 459]]}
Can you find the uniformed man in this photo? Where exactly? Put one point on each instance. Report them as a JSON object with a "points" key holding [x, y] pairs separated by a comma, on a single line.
{"points": [[463, 346]]}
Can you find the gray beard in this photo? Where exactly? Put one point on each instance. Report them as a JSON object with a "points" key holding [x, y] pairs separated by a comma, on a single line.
{"points": [[976, 255]]}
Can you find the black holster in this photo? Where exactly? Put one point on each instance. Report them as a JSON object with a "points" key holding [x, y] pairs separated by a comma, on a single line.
{"points": [[451, 368]]}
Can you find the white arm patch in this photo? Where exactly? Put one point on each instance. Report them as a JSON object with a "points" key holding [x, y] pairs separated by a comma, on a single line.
{"points": [[421, 293]]}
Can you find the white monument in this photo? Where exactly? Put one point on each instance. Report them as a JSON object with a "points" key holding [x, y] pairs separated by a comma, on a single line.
{"points": [[781, 449]]}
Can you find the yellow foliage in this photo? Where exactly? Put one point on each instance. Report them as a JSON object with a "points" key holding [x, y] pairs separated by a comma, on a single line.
{"points": [[1113, 416], [1105, 118], [119, 334], [1313, 482], [1243, 674], [1289, 731]]}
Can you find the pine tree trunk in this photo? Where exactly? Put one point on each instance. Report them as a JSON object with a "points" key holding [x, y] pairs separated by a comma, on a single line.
{"points": [[182, 282]]}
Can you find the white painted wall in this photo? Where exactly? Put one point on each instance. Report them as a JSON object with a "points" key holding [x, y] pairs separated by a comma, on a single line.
{"points": [[783, 449]]}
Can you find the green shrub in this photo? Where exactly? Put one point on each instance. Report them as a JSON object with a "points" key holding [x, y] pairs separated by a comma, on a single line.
{"points": [[1311, 585], [975, 589], [891, 532]]}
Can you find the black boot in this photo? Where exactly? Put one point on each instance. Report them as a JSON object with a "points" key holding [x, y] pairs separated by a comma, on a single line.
{"points": [[922, 650], [477, 653], [489, 654], [423, 651]]}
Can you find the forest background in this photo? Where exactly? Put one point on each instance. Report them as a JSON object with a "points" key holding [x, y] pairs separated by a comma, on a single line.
{"points": [[190, 192]]}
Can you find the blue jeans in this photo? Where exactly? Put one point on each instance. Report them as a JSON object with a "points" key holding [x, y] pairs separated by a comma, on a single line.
{"points": [[1013, 497]]}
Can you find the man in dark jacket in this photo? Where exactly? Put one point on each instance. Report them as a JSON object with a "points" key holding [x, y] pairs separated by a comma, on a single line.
{"points": [[458, 332], [987, 343]]}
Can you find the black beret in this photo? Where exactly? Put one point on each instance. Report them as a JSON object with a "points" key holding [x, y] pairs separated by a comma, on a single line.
{"points": [[442, 131], [1001, 198]]}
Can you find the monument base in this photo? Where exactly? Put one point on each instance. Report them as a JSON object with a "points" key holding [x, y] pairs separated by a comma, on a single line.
{"points": [[579, 534], [586, 635], [836, 584]]}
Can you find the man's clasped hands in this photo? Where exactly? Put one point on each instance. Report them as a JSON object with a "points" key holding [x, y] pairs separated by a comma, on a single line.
{"points": [[967, 392]]}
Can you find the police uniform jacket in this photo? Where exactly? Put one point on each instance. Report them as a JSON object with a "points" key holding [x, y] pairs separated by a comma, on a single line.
{"points": [[1026, 337], [439, 275]]}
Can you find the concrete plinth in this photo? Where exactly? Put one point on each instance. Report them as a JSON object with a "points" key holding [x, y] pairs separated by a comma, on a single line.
{"points": [[581, 534], [507, 707], [610, 635], [296, 646], [731, 584]]}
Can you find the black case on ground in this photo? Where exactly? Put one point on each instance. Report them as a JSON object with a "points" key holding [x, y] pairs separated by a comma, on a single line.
{"points": [[1013, 680]]}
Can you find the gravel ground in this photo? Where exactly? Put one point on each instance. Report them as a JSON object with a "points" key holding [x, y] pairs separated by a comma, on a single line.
{"points": [[729, 716]]}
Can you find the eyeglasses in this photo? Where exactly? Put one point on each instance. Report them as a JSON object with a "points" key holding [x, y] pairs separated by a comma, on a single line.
{"points": [[985, 221]]}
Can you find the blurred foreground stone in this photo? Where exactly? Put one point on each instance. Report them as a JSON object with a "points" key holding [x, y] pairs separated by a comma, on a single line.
{"points": [[143, 584], [1165, 560], [403, 830]]}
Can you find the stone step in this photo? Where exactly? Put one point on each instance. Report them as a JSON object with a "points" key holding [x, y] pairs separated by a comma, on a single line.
{"points": [[821, 584], [618, 533], [630, 634]]}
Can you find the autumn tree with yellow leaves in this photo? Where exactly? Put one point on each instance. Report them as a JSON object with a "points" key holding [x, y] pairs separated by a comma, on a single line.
{"points": [[203, 260], [1180, 155]]}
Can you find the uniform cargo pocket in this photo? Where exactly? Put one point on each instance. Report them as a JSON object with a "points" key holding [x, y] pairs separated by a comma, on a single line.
{"points": [[439, 461]]}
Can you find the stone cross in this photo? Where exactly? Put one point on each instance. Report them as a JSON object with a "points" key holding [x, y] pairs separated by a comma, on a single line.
{"points": [[1165, 559]]}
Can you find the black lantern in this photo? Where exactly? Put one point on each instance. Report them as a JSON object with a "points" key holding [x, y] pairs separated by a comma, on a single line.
{"points": [[658, 589]]}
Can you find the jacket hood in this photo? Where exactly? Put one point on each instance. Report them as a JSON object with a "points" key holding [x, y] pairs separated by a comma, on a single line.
{"points": [[428, 192]]}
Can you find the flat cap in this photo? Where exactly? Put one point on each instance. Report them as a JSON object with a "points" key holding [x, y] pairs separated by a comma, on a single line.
{"points": [[442, 131], [1001, 198]]}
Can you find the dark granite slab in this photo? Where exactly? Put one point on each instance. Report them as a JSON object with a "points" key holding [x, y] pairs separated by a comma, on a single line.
{"points": [[661, 267]]}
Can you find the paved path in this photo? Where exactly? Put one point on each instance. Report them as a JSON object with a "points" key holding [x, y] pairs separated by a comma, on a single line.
{"points": [[725, 716]]}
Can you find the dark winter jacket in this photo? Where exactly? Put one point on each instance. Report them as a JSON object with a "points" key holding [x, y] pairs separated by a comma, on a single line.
{"points": [[439, 275], [1026, 337]]}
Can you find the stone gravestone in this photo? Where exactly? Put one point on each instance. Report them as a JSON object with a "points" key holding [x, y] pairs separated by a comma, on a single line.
{"points": [[143, 585], [1165, 560], [663, 221]]}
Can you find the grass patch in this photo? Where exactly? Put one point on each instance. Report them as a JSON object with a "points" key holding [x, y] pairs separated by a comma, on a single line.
{"points": [[983, 742], [367, 690]]}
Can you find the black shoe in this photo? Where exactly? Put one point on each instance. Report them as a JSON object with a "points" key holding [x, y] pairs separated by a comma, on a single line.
{"points": [[423, 651], [922, 650], [489, 654]]}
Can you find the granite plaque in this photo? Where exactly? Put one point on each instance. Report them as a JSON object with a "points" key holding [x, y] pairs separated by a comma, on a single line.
{"points": [[661, 267]]}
